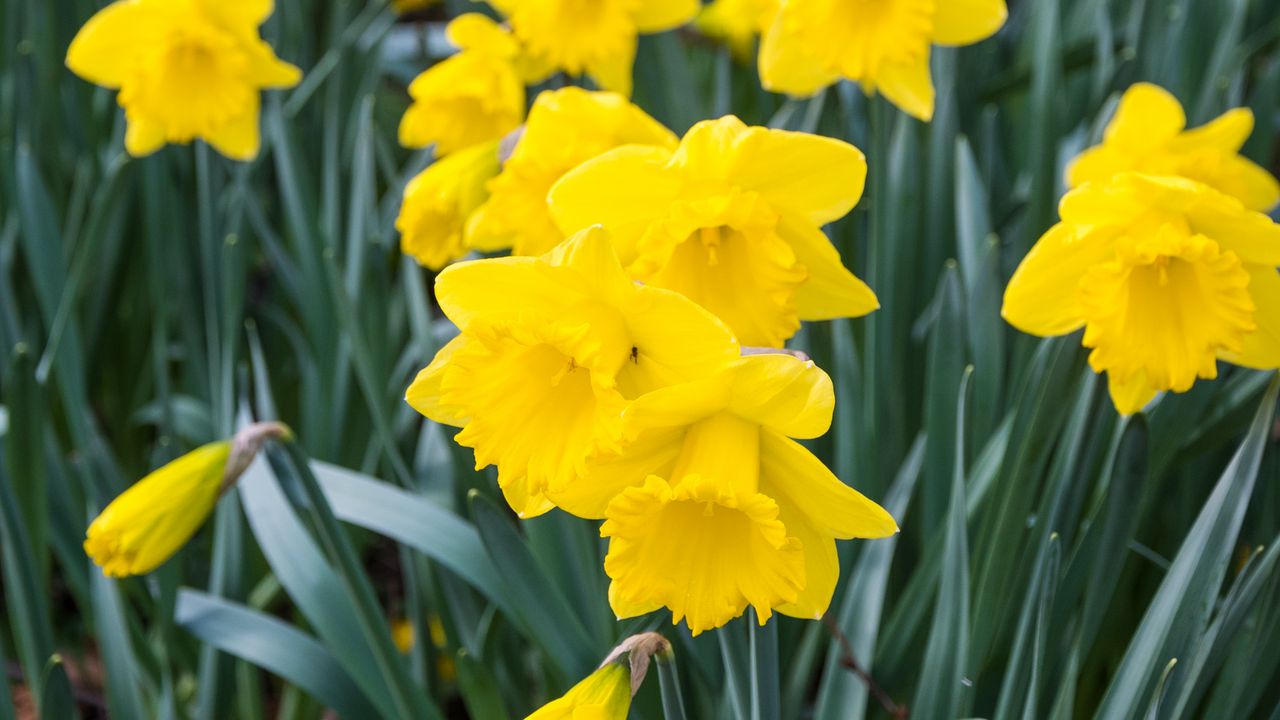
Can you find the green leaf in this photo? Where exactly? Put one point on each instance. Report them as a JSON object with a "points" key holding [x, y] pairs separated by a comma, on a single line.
{"points": [[309, 580], [538, 603], [841, 694], [942, 673], [415, 521], [123, 672], [479, 690], [1185, 597], [272, 645]]}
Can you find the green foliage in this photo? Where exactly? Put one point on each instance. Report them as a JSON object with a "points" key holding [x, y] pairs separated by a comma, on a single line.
{"points": [[1055, 560]]}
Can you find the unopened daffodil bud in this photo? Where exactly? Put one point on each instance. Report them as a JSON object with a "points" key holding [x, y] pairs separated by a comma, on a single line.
{"points": [[149, 522], [606, 693]]}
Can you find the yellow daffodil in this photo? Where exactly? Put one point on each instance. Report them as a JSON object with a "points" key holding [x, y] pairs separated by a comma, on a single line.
{"points": [[882, 44], [603, 695], [1148, 134], [471, 97], [711, 506], [737, 22], [596, 38], [439, 201], [731, 219], [550, 351], [1166, 275], [152, 520], [185, 69], [565, 128]]}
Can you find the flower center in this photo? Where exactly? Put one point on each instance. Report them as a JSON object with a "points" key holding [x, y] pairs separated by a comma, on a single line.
{"points": [[724, 253], [1166, 306], [858, 37], [572, 34], [192, 83], [535, 409]]}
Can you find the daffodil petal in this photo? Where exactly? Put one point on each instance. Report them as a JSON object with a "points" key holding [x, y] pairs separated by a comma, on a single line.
{"points": [[964, 22], [652, 453], [623, 189], [795, 478], [613, 71], [505, 287], [590, 253], [1130, 395], [1251, 235], [675, 341], [816, 178], [239, 138], [830, 291], [143, 137], [821, 567], [1148, 115], [786, 66], [1041, 298], [425, 392], [909, 86], [1262, 346], [783, 393], [654, 16], [239, 13], [106, 48]]}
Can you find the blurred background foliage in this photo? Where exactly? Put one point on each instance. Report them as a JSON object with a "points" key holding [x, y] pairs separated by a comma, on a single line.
{"points": [[1055, 561]]}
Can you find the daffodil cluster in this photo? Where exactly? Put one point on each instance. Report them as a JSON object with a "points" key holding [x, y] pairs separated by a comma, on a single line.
{"points": [[632, 403], [1163, 254]]}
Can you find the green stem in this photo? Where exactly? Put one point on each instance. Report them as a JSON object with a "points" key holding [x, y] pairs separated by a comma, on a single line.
{"points": [[766, 700]]}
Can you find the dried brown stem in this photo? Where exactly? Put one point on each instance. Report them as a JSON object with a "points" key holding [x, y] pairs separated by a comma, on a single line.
{"points": [[847, 660]]}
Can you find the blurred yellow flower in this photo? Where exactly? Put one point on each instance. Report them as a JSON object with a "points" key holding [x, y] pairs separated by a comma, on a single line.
{"points": [[550, 351], [711, 507], [185, 69], [1148, 134], [882, 44], [152, 520], [565, 128], [402, 7], [439, 201], [471, 97], [731, 219], [1166, 275], [596, 38], [737, 22], [603, 695]]}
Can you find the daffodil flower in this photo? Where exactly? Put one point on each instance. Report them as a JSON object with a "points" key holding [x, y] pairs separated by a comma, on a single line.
{"points": [[153, 519], [185, 69], [469, 98], [711, 505], [731, 219], [440, 200], [596, 38], [1166, 275], [550, 351], [737, 22], [1148, 134], [565, 128], [882, 44]]}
